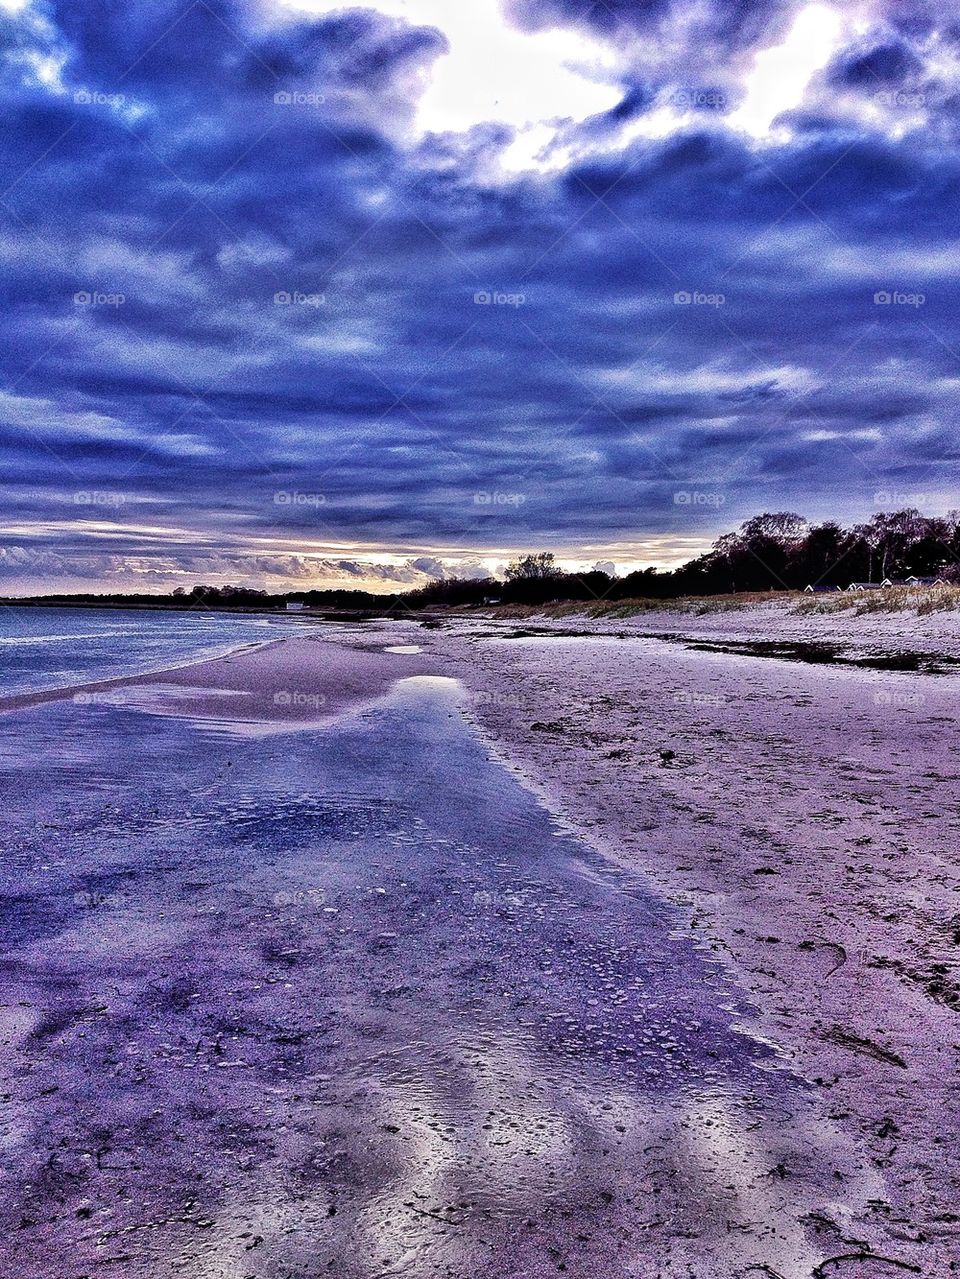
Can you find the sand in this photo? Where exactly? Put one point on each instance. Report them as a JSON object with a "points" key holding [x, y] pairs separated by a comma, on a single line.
{"points": [[804, 818], [807, 816]]}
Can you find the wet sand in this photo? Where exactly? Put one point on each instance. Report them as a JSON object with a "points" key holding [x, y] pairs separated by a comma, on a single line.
{"points": [[350, 1000], [307, 679]]}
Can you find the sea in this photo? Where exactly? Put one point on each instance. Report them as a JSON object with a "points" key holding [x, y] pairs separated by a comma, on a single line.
{"points": [[45, 648]]}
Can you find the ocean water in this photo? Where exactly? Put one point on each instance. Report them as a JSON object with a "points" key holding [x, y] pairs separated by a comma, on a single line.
{"points": [[44, 648]]}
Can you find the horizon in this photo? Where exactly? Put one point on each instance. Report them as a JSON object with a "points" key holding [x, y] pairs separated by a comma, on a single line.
{"points": [[773, 551], [312, 297]]}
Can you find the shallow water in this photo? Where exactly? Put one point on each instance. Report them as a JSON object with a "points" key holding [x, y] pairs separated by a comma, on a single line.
{"points": [[43, 648], [345, 1002]]}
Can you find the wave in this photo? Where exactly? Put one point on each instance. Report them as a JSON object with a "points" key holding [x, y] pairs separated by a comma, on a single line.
{"points": [[62, 639]]}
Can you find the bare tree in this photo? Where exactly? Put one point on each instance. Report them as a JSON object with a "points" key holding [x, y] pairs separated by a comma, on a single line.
{"points": [[536, 566]]}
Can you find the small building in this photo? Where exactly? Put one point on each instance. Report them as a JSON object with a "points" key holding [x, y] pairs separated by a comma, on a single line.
{"points": [[864, 586], [295, 606], [913, 580], [817, 588], [491, 599]]}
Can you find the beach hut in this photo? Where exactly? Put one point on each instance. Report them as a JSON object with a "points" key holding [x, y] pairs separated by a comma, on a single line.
{"points": [[295, 606], [913, 580], [863, 586], [818, 588]]}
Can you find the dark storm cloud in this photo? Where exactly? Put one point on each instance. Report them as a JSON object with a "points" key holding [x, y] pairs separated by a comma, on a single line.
{"points": [[237, 299], [877, 65], [726, 24]]}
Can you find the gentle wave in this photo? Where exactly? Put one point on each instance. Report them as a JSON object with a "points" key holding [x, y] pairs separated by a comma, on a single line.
{"points": [[62, 639], [110, 643]]}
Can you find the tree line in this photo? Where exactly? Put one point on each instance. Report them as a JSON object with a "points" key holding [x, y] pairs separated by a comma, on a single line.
{"points": [[774, 551], [770, 552]]}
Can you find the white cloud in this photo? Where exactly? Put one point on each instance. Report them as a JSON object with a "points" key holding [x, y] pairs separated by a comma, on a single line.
{"points": [[497, 73], [707, 379], [48, 421], [782, 73]]}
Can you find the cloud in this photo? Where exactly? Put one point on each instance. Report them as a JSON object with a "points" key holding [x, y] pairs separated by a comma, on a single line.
{"points": [[43, 569], [248, 293]]}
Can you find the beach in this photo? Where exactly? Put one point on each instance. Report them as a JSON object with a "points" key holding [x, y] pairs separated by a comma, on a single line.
{"points": [[529, 946], [805, 813]]}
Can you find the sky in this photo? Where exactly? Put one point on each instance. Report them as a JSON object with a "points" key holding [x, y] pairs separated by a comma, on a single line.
{"points": [[299, 296]]}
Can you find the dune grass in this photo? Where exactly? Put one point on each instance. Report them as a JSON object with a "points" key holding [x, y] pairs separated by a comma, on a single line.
{"points": [[893, 599], [690, 604]]}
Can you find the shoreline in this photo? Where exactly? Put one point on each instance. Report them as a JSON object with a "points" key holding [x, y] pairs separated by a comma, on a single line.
{"points": [[63, 692], [302, 679], [800, 814]]}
